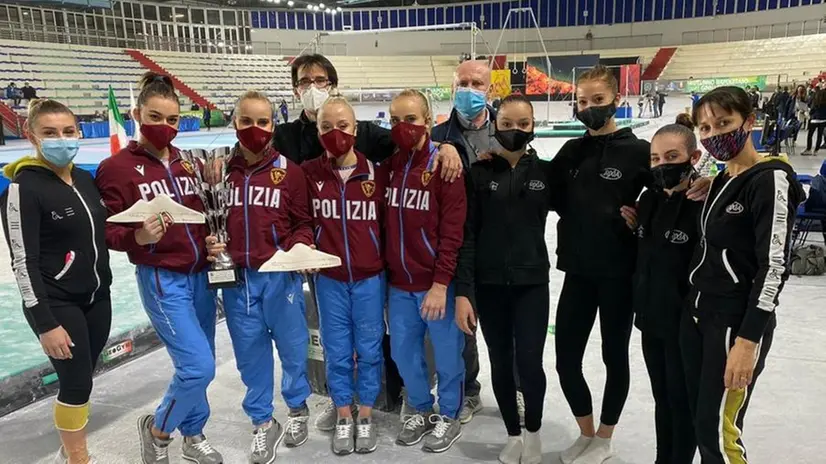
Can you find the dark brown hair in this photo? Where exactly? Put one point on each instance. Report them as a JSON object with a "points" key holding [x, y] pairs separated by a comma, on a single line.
{"points": [[516, 98], [729, 98], [156, 85], [820, 98], [600, 73], [308, 61], [40, 106], [684, 128]]}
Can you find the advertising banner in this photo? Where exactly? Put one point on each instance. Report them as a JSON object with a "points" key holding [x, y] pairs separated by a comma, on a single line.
{"points": [[438, 93], [559, 79], [705, 85], [500, 83]]}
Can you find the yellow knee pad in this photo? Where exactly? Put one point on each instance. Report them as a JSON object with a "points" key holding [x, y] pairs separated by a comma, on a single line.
{"points": [[69, 417]]}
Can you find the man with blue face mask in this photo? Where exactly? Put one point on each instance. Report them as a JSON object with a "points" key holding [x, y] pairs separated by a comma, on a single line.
{"points": [[471, 130]]}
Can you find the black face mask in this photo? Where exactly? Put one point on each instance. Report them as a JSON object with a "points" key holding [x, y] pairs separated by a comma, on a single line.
{"points": [[513, 140], [596, 117], [668, 176]]}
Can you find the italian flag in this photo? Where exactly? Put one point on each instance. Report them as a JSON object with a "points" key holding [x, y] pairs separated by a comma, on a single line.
{"points": [[117, 130]]}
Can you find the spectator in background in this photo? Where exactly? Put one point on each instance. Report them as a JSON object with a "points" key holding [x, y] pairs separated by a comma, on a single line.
{"points": [[754, 96], [661, 102], [655, 103], [207, 117], [285, 112], [801, 106], [29, 93], [98, 116], [13, 94], [817, 122]]}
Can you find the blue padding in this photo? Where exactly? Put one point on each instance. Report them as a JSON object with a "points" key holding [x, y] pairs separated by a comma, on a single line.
{"points": [[95, 130]]}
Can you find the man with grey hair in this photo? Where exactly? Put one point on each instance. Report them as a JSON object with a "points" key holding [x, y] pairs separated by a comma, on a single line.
{"points": [[471, 129]]}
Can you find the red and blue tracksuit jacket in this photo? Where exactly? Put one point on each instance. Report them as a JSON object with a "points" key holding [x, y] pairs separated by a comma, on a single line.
{"points": [[135, 174], [348, 216], [424, 222], [268, 208]]}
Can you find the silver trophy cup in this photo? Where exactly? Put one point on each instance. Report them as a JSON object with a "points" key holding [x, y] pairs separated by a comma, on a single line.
{"points": [[216, 198]]}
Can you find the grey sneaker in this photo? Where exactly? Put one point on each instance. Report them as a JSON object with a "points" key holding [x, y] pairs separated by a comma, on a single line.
{"points": [[471, 406], [520, 407], [366, 436], [297, 433], [197, 449], [415, 428], [406, 410], [326, 420], [153, 450], [265, 442], [445, 433], [343, 441]]}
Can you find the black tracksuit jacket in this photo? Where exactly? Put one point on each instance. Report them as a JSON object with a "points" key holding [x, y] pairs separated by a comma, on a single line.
{"points": [[504, 241], [55, 234], [601, 174], [742, 262], [667, 234], [298, 140]]}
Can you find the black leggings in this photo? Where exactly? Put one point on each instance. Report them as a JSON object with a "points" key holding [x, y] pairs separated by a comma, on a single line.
{"points": [[88, 327], [575, 316], [812, 128], [520, 313], [672, 415]]}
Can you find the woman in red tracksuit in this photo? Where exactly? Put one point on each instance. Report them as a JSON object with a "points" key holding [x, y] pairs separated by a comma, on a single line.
{"points": [[171, 274], [424, 229], [268, 211], [347, 203]]}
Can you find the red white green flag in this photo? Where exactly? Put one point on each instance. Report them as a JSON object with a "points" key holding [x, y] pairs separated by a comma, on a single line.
{"points": [[117, 130]]}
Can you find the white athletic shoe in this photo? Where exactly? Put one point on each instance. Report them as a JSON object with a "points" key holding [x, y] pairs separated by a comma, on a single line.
{"points": [[574, 451], [512, 451], [532, 449], [597, 452]]}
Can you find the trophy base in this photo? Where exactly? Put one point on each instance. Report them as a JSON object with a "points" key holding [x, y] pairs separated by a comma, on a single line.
{"points": [[223, 278]]}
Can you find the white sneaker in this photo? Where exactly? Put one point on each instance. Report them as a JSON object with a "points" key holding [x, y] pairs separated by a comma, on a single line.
{"points": [[574, 451], [597, 452], [512, 451], [532, 449]]}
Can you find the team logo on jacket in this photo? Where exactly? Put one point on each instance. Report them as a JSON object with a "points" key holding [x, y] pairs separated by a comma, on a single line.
{"points": [[319, 185], [140, 169], [368, 187], [781, 196], [676, 236], [734, 208], [536, 185], [493, 186], [611, 174], [188, 167], [277, 175], [426, 176]]}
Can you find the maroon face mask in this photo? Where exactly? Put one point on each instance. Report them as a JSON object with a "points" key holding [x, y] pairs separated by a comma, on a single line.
{"points": [[159, 135], [254, 138], [337, 142], [406, 135]]}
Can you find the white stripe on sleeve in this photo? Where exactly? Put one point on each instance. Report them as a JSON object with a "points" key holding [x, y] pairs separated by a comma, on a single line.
{"points": [[18, 247], [777, 243]]}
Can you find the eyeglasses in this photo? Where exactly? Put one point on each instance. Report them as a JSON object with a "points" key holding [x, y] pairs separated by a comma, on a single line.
{"points": [[317, 81]]}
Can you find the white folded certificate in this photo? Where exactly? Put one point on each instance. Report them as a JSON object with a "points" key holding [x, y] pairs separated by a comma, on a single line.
{"points": [[161, 204], [299, 258]]}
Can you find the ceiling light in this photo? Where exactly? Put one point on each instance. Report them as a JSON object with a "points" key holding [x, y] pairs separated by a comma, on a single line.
{"points": [[333, 12], [290, 3], [277, 1], [338, 8], [309, 7], [321, 5], [316, 8], [221, 44]]}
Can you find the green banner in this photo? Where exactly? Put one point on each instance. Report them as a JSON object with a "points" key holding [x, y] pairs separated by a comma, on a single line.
{"points": [[438, 93], [706, 85]]}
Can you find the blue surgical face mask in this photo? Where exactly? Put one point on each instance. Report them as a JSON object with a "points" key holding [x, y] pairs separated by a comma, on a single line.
{"points": [[59, 152], [469, 102]]}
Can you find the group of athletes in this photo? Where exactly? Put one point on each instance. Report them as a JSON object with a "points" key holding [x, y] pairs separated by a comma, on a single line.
{"points": [[435, 227]]}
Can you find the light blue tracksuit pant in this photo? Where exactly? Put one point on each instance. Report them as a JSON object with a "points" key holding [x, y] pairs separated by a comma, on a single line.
{"points": [[182, 311], [351, 318], [407, 331], [267, 307]]}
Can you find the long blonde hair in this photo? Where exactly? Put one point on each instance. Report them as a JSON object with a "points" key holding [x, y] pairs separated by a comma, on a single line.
{"points": [[428, 113]]}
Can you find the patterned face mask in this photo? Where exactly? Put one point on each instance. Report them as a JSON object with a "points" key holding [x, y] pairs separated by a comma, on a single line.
{"points": [[724, 147]]}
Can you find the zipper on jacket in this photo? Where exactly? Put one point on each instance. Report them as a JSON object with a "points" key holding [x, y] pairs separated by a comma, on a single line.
{"points": [[401, 217], [704, 215], [343, 186], [188, 233], [728, 267], [508, 221], [375, 240], [427, 243], [247, 219], [94, 243]]}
